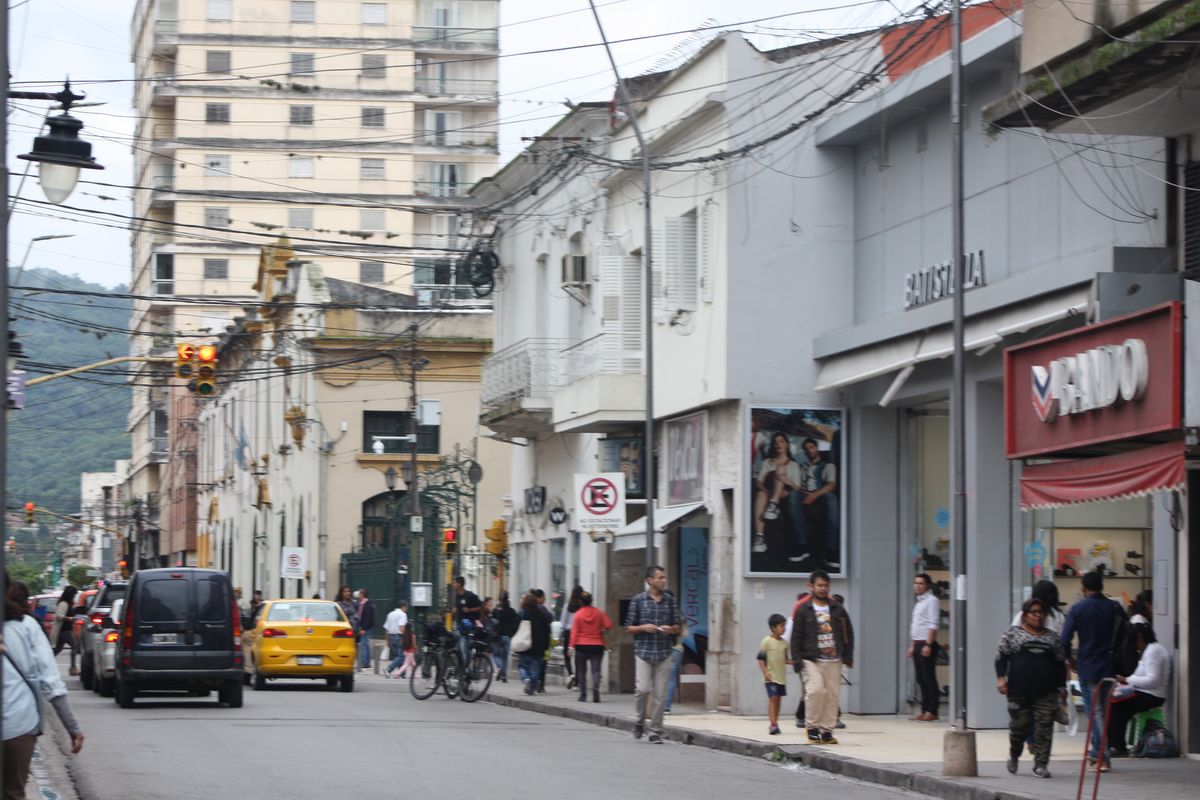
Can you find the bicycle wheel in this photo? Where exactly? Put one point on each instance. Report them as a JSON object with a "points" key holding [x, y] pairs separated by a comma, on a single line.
{"points": [[450, 674], [424, 680], [478, 678]]}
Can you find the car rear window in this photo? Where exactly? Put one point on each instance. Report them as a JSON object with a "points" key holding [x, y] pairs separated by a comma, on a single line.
{"points": [[315, 612], [111, 595], [164, 601], [211, 602]]}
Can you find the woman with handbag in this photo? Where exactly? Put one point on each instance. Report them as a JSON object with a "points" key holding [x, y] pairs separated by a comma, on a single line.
{"points": [[531, 642], [62, 633], [30, 675], [1031, 670]]}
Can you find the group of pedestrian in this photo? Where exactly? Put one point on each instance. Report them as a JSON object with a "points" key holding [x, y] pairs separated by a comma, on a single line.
{"points": [[359, 609]]}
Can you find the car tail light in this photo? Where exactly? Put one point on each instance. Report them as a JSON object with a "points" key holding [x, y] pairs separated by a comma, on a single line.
{"points": [[273, 633], [127, 629], [96, 619], [111, 636], [343, 633], [235, 614]]}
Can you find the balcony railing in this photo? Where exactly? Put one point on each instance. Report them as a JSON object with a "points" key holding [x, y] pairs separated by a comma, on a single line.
{"points": [[435, 294], [166, 27], [455, 86], [437, 241], [458, 138], [599, 355], [164, 183], [525, 370], [455, 38], [439, 189]]}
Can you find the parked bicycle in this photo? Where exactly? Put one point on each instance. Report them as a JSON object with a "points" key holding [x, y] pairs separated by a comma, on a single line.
{"points": [[441, 666]]}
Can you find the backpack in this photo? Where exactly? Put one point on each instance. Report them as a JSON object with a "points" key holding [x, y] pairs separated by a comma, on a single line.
{"points": [[1124, 645], [1156, 742]]}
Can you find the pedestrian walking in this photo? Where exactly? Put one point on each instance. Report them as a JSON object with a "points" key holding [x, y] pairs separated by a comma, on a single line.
{"points": [[345, 601], [408, 645], [1047, 592], [677, 652], [1093, 619], [30, 676], [653, 619], [393, 626], [507, 620], [823, 638], [923, 646], [773, 660], [530, 662], [588, 630], [1148, 684], [1031, 671], [798, 666], [62, 632], [366, 624], [549, 617], [564, 638]]}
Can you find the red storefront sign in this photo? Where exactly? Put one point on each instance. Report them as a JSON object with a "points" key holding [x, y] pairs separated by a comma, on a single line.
{"points": [[1116, 380]]}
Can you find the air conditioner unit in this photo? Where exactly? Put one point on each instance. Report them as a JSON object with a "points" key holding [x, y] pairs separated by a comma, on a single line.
{"points": [[574, 271]]}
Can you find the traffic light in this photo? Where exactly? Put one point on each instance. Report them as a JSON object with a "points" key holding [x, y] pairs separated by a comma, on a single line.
{"points": [[12, 546], [450, 540], [185, 357], [206, 370], [30, 507], [497, 537]]}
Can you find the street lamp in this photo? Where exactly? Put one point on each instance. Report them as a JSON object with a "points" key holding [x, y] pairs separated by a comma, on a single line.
{"points": [[60, 155]]}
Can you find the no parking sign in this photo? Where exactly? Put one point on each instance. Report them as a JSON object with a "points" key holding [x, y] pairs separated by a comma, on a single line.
{"points": [[600, 501], [294, 562]]}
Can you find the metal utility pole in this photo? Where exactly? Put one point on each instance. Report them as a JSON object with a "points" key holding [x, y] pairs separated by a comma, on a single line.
{"points": [[650, 472], [413, 491], [959, 757], [4, 305]]}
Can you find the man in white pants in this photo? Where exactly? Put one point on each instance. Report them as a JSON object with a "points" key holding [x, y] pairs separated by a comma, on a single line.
{"points": [[823, 641], [653, 619]]}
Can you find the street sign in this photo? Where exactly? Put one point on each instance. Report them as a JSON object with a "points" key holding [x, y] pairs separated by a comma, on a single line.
{"points": [[422, 595], [558, 515], [414, 524], [600, 501], [294, 562], [16, 388]]}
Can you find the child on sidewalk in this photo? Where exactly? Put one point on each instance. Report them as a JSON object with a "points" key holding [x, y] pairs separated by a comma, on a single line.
{"points": [[773, 660]]}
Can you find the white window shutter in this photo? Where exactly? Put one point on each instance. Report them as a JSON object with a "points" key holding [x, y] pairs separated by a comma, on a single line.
{"points": [[659, 266], [688, 274], [611, 263], [707, 238], [632, 315]]}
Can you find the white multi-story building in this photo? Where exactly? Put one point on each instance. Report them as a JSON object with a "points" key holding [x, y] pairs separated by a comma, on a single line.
{"points": [[351, 126], [102, 503]]}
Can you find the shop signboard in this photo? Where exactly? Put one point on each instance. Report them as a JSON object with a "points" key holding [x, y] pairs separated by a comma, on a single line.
{"points": [[797, 496], [685, 459], [1114, 381]]}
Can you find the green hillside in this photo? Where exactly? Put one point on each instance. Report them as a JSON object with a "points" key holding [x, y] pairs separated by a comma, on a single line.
{"points": [[69, 425]]}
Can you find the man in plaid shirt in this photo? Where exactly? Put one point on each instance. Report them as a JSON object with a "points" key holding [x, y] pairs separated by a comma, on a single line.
{"points": [[653, 620]]}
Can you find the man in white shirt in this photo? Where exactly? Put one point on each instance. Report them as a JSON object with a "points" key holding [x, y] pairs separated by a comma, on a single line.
{"points": [[923, 646], [393, 626]]}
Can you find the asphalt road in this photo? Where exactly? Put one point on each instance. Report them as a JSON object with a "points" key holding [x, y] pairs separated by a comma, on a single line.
{"points": [[300, 740]]}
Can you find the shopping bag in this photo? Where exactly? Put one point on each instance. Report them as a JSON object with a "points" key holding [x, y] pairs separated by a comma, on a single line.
{"points": [[522, 640]]}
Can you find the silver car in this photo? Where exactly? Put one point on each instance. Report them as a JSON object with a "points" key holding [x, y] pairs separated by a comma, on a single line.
{"points": [[104, 653], [93, 632]]}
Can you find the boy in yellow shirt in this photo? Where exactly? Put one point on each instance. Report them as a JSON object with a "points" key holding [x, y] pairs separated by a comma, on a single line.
{"points": [[773, 658]]}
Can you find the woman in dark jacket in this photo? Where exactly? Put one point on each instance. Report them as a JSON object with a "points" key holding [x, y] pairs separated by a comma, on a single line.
{"points": [[1031, 671], [506, 620], [62, 634], [529, 663]]}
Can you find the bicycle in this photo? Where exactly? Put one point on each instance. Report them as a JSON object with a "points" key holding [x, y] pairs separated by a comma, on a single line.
{"points": [[438, 665], [476, 676]]}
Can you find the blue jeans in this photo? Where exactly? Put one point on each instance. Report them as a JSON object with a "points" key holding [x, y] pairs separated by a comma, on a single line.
{"points": [[529, 665], [500, 649], [397, 651], [364, 650], [1087, 685], [673, 681]]}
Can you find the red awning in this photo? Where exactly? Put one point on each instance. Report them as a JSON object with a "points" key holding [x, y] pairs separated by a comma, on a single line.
{"points": [[1137, 473]]}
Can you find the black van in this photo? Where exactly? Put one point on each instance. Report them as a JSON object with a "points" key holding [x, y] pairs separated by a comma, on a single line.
{"points": [[180, 631]]}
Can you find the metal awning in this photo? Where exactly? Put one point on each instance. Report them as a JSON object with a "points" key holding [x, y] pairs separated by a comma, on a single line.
{"points": [[633, 535], [983, 330]]}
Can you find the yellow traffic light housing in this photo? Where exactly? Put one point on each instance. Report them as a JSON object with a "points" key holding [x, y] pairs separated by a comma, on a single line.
{"points": [[185, 357], [450, 541], [205, 384], [497, 536], [30, 507]]}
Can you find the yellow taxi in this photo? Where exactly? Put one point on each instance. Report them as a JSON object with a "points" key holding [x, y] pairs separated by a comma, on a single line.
{"points": [[299, 639]]}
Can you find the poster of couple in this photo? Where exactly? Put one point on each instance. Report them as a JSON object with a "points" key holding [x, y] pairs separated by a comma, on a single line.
{"points": [[796, 466]]}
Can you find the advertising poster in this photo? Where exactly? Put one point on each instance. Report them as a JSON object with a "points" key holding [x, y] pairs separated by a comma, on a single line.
{"points": [[685, 459], [624, 455], [796, 459], [693, 597]]}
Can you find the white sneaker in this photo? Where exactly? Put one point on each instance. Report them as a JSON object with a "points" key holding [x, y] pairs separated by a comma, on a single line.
{"points": [[771, 511], [799, 558], [759, 546]]}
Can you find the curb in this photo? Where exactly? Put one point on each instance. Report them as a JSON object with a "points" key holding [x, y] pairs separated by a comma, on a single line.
{"points": [[814, 758]]}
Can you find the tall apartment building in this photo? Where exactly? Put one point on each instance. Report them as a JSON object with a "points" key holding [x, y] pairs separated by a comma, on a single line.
{"points": [[351, 127]]}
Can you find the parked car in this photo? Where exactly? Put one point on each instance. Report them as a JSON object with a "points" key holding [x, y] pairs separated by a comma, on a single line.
{"points": [[101, 605], [180, 631], [42, 607], [300, 639], [102, 660], [82, 601]]}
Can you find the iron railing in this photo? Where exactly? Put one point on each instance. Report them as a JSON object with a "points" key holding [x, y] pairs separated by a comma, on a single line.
{"points": [[433, 84], [599, 355], [525, 370], [443, 38], [458, 138]]}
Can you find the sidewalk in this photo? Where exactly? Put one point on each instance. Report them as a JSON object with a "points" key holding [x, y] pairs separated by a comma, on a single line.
{"points": [[883, 749]]}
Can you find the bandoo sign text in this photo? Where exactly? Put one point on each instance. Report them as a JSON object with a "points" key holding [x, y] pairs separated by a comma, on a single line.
{"points": [[1097, 378]]}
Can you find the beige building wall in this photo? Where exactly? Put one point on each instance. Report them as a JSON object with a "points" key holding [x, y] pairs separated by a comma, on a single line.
{"points": [[1052, 29]]}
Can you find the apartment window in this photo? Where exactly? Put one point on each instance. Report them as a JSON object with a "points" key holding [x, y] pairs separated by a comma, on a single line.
{"points": [[433, 271], [220, 10], [374, 65], [372, 169], [304, 11], [216, 113], [386, 424], [164, 273], [303, 63], [216, 269], [300, 218], [300, 115], [371, 219], [300, 167], [216, 217], [372, 117], [217, 62], [374, 13], [370, 272], [216, 164]]}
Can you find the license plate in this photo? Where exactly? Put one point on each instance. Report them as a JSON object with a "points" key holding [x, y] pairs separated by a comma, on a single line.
{"points": [[166, 638], [310, 661]]}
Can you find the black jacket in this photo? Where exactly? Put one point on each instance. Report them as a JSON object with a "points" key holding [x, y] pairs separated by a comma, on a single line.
{"points": [[507, 620], [804, 633], [541, 631]]}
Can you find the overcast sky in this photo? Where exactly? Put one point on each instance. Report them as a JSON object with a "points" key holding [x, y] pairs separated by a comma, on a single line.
{"points": [[90, 40]]}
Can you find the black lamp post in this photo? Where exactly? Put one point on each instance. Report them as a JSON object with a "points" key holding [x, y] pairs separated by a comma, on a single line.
{"points": [[389, 476]]}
